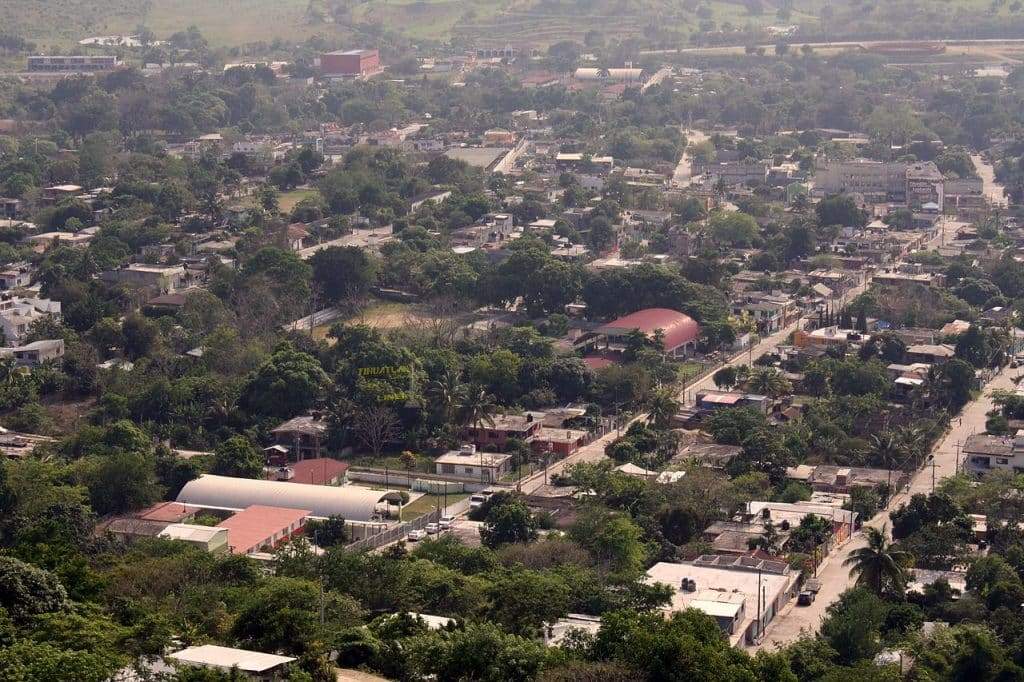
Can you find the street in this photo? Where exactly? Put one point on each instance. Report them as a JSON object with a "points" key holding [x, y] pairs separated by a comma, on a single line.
{"points": [[793, 620]]}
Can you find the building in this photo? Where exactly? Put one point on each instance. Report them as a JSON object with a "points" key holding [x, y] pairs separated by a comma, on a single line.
{"points": [[678, 332], [351, 64], [770, 312], [35, 353], [256, 665], [304, 437], [930, 353], [984, 453], [15, 276], [925, 186], [709, 401], [72, 64], [496, 433], [260, 528], [18, 314], [743, 594], [472, 465], [885, 180], [208, 538], [786, 514], [732, 173], [318, 471], [162, 279], [350, 502]]}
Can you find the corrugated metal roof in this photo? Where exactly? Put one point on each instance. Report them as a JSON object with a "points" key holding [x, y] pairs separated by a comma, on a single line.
{"points": [[351, 502]]}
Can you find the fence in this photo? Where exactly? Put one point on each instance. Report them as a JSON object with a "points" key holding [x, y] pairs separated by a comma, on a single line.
{"points": [[393, 534], [402, 479]]}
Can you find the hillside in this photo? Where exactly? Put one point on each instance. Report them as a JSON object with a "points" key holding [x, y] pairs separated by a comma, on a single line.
{"points": [[61, 23]]}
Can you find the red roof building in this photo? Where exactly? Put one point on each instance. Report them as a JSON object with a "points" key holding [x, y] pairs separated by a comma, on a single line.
{"points": [[258, 528], [319, 471], [679, 331]]}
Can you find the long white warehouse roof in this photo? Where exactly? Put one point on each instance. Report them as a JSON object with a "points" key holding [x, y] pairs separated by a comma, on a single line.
{"points": [[351, 502]]}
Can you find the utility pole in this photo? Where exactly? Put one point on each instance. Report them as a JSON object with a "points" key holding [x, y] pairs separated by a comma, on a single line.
{"points": [[316, 541]]}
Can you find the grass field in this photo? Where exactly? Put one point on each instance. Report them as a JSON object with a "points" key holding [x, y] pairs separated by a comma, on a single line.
{"points": [[428, 503]]}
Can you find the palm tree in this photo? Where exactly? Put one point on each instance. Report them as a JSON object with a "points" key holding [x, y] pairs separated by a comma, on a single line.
{"points": [[768, 381], [889, 449], [880, 564], [662, 407], [448, 390], [477, 408]]}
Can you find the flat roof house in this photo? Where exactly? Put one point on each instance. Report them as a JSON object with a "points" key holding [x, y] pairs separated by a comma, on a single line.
{"points": [[743, 594], [209, 538], [256, 665], [469, 464]]}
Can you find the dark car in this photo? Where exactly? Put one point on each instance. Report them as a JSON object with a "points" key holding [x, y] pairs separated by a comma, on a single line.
{"points": [[805, 598]]}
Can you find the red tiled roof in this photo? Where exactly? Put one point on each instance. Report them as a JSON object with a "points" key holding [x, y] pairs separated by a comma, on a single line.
{"points": [[257, 525], [321, 471], [171, 512], [678, 328]]}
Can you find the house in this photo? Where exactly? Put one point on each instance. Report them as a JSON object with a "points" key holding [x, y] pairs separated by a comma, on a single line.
{"points": [[562, 442], [710, 401], [711, 455], [824, 337], [983, 453], [829, 478], [35, 353], [743, 594], [75, 239], [770, 312], [295, 234], [259, 528], [678, 332], [304, 436], [162, 279], [317, 471], [502, 428], [17, 315], [785, 514], [16, 276], [210, 539], [255, 665], [929, 353], [470, 464], [555, 633]]}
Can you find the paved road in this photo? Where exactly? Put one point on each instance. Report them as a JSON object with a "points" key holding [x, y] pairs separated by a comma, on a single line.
{"points": [[683, 175], [795, 620], [992, 189]]}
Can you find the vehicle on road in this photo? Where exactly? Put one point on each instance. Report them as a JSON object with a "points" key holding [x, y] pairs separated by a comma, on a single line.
{"points": [[477, 499], [446, 522], [416, 535], [805, 598], [432, 529]]}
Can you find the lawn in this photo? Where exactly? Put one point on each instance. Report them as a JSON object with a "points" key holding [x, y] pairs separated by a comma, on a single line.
{"points": [[287, 200], [428, 503]]}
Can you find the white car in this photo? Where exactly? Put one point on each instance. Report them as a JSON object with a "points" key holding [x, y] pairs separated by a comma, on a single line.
{"points": [[416, 535], [433, 529], [446, 522]]}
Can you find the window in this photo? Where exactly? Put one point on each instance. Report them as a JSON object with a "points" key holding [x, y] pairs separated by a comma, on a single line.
{"points": [[469, 470], [1002, 460], [448, 468]]}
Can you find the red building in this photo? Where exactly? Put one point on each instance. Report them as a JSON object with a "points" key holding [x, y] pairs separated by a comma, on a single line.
{"points": [[351, 63]]}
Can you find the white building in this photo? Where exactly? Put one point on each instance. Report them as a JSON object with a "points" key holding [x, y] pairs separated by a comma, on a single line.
{"points": [[17, 315], [743, 594], [472, 465]]}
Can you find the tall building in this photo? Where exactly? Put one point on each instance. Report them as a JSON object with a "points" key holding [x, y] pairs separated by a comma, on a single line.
{"points": [[350, 63]]}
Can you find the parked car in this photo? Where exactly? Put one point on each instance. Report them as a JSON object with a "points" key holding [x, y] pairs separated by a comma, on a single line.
{"points": [[446, 522], [416, 535], [433, 529], [477, 499], [805, 598]]}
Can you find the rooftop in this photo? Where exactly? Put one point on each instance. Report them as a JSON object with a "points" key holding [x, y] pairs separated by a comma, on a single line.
{"points": [[254, 525], [227, 658]]}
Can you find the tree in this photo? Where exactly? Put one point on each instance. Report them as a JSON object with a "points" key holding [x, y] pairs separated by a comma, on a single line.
{"points": [[768, 381], [479, 652], [238, 457], [478, 408], [27, 591], [343, 272], [842, 210], [956, 379], [286, 384], [879, 566], [120, 482], [327, 533], [725, 377], [376, 427], [662, 407], [733, 228], [139, 336], [973, 347], [508, 521]]}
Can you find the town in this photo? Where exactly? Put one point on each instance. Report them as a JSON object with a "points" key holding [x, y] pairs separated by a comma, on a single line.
{"points": [[512, 358]]}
